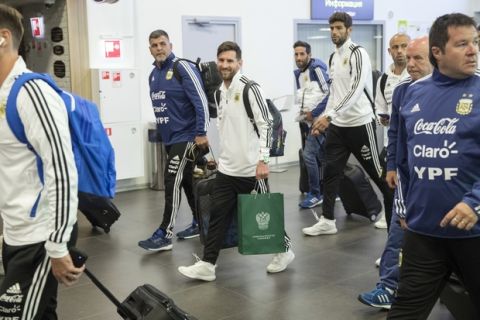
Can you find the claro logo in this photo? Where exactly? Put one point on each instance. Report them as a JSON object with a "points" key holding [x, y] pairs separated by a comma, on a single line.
{"points": [[442, 126]]}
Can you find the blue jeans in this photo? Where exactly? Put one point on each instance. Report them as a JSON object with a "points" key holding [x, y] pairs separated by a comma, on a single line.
{"points": [[313, 155], [389, 269]]}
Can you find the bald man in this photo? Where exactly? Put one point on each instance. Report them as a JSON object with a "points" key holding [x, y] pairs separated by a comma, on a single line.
{"points": [[417, 66], [383, 100]]}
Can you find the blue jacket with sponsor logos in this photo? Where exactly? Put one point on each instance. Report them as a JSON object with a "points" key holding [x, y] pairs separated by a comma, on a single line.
{"points": [[440, 135], [181, 109]]}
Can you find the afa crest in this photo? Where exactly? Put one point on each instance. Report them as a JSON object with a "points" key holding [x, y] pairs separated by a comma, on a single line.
{"points": [[237, 97], [464, 105]]}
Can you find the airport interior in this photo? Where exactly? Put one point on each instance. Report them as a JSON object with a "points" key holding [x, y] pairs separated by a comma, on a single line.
{"points": [[99, 49]]}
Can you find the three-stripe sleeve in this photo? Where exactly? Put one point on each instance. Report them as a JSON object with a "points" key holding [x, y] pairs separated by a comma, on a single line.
{"points": [[44, 116]]}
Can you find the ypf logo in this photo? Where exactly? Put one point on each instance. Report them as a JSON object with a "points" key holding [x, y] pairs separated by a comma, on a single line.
{"points": [[263, 218]]}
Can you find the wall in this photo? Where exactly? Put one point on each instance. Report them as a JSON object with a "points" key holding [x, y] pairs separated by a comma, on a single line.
{"points": [[39, 55], [421, 13]]}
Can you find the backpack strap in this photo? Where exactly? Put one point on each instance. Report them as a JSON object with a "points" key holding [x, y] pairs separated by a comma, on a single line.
{"points": [[176, 74], [248, 107], [13, 118], [217, 96], [330, 60], [383, 83]]}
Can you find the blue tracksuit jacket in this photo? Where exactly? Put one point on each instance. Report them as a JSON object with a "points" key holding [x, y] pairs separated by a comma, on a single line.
{"points": [[181, 108], [440, 135]]}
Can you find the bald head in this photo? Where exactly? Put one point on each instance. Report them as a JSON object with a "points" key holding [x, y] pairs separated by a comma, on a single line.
{"points": [[397, 47], [418, 64]]}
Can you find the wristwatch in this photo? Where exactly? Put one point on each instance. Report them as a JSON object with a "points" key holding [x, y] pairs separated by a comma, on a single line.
{"points": [[329, 119]]}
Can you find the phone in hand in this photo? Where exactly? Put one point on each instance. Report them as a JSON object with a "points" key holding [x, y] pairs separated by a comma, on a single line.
{"points": [[78, 257]]}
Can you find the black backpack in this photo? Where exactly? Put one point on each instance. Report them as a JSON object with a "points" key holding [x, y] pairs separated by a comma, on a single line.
{"points": [[279, 134], [375, 76], [211, 80]]}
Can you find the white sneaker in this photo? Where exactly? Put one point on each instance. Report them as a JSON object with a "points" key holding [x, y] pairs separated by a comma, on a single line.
{"points": [[280, 261], [382, 222], [201, 270], [323, 226], [377, 262]]}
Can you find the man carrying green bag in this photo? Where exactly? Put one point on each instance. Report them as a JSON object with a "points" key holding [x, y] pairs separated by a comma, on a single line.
{"points": [[243, 162], [260, 223]]}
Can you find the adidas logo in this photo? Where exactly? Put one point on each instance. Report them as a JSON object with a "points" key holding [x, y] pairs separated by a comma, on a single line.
{"points": [[15, 289], [176, 158], [415, 108]]}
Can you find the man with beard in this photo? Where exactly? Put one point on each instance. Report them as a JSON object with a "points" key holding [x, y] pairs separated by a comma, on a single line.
{"points": [[181, 112], [350, 121], [312, 83], [243, 161]]}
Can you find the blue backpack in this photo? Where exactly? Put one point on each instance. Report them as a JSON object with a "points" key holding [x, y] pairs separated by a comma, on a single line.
{"points": [[93, 152]]}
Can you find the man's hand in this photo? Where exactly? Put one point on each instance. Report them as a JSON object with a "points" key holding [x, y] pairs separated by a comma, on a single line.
{"points": [[391, 179], [201, 142], [320, 126], [403, 224], [64, 270], [461, 217], [262, 170]]}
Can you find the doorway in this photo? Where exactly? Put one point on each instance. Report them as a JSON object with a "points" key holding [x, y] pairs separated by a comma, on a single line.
{"points": [[201, 37]]}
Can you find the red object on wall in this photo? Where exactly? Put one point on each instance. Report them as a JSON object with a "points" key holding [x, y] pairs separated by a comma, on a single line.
{"points": [[112, 49], [108, 131]]}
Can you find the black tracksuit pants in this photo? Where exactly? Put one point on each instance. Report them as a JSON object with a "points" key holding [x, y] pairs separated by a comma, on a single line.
{"points": [[178, 175], [224, 206], [426, 265], [29, 289], [339, 144]]}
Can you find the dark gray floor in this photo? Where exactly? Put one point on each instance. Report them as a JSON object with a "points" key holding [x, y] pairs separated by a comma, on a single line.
{"points": [[322, 283]]}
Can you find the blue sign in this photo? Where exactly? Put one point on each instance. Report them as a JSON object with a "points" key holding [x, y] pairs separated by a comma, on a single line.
{"points": [[358, 9]]}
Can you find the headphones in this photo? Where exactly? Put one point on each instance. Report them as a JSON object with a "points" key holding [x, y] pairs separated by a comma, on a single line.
{"points": [[2, 41]]}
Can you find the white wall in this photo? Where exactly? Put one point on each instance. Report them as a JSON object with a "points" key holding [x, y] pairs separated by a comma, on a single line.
{"points": [[266, 37], [420, 12]]}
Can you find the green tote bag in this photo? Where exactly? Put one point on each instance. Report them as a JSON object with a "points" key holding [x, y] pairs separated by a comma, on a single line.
{"points": [[261, 226]]}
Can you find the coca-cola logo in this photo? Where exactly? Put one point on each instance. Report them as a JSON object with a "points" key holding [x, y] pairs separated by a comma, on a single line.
{"points": [[442, 126]]}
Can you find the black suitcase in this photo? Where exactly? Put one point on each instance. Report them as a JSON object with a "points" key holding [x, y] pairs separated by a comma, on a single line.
{"points": [[101, 212], [357, 194], [203, 190], [303, 185], [144, 303], [456, 299]]}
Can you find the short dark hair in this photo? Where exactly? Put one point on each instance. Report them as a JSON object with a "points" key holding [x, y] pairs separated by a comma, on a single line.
{"points": [[342, 17], [230, 46], [157, 34], [478, 27], [438, 36], [12, 20], [304, 44]]}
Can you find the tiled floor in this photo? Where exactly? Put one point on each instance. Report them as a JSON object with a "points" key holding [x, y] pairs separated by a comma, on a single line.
{"points": [[322, 283]]}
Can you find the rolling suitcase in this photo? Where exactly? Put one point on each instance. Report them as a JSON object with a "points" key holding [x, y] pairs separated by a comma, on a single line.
{"points": [[203, 190], [144, 303], [456, 299], [357, 194], [100, 211]]}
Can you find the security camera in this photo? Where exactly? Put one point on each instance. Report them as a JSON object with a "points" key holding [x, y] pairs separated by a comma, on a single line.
{"points": [[49, 3]]}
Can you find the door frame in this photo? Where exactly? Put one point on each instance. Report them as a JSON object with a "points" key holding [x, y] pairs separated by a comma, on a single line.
{"points": [[203, 20]]}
